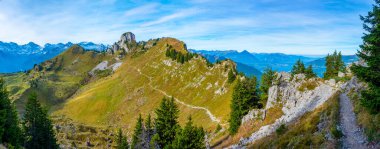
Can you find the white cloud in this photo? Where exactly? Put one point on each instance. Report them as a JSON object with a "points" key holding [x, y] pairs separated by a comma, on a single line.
{"points": [[142, 10], [179, 14]]}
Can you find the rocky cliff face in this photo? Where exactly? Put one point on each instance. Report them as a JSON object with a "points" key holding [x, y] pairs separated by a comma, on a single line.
{"points": [[124, 43], [296, 95]]}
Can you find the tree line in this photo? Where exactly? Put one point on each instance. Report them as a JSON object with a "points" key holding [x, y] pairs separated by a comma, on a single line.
{"points": [[178, 56], [164, 131], [299, 68], [35, 131]]}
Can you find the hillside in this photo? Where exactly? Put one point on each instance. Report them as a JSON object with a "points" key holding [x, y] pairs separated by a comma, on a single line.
{"points": [[57, 79], [142, 81]]}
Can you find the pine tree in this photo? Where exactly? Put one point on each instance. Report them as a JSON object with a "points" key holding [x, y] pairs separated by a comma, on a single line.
{"points": [[329, 67], [370, 53], [339, 64], [10, 132], [244, 98], [148, 129], [166, 122], [267, 79], [334, 64], [121, 141], [231, 76], [38, 127], [298, 67], [190, 137], [137, 139], [309, 72]]}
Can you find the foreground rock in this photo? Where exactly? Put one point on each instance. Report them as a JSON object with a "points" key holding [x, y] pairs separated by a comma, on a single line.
{"points": [[297, 95]]}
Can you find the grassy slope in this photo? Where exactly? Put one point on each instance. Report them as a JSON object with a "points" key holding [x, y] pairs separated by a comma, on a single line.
{"points": [[16, 84], [67, 72], [117, 99]]}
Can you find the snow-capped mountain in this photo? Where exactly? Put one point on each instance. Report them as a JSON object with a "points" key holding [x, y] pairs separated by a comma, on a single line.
{"points": [[15, 57]]}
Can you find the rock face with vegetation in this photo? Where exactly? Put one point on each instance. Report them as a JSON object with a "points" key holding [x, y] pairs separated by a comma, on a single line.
{"points": [[296, 96]]}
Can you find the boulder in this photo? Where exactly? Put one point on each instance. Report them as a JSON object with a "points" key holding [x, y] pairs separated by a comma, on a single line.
{"points": [[341, 74]]}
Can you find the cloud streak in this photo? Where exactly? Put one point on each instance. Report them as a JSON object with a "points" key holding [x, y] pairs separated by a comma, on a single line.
{"points": [[177, 15]]}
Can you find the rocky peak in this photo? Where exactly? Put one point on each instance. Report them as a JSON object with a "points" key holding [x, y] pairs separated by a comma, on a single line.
{"points": [[126, 39]]}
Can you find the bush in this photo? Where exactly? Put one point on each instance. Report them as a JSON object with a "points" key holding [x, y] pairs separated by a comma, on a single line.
{"points": [[281, 130], [102, 73], [218, 128], [337, 134], [309, 85]]}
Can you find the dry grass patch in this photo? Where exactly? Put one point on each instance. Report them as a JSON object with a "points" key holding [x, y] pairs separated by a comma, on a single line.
{"points": [[308, 85]]}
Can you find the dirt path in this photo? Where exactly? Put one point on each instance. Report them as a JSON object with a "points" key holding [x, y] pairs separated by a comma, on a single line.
{"points": [[353, 136], [208, 112]]}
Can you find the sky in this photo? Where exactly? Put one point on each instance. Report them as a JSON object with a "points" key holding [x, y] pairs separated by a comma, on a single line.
{"points": [[307, 27]]}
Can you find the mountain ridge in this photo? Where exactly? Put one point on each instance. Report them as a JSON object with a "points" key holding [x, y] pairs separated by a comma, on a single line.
{"points": [[23, 57]]}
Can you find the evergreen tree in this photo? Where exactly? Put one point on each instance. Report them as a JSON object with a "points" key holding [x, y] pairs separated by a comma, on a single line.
{"points": [[298, 67], [166, 122], [244, 98], [334, 64], [121, 141], [266, 82], [38, 127], [231, 76], [309, 72], [137, 139], [190, 137], [10, 132], [370, 54], [339, 66], [149, 130], [329, 67]]}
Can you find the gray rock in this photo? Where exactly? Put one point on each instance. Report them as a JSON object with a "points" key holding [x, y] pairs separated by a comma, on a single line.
{"points": [[285, 91], [341, 74], [125, 40]]}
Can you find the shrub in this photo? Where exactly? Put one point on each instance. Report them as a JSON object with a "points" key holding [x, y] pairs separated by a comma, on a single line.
{"points": [[281, 130], [308, 85]]}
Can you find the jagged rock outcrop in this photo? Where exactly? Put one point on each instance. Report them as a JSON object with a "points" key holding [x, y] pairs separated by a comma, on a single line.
{"points": [[297, 95], [105, 65], [124, 43]]}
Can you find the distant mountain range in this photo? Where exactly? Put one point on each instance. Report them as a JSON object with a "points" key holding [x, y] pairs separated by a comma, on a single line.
{"points": [[15, 57], [256, 63]]}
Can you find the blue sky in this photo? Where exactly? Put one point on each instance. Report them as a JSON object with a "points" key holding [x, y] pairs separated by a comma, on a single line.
{"points": [[288, 26]]}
